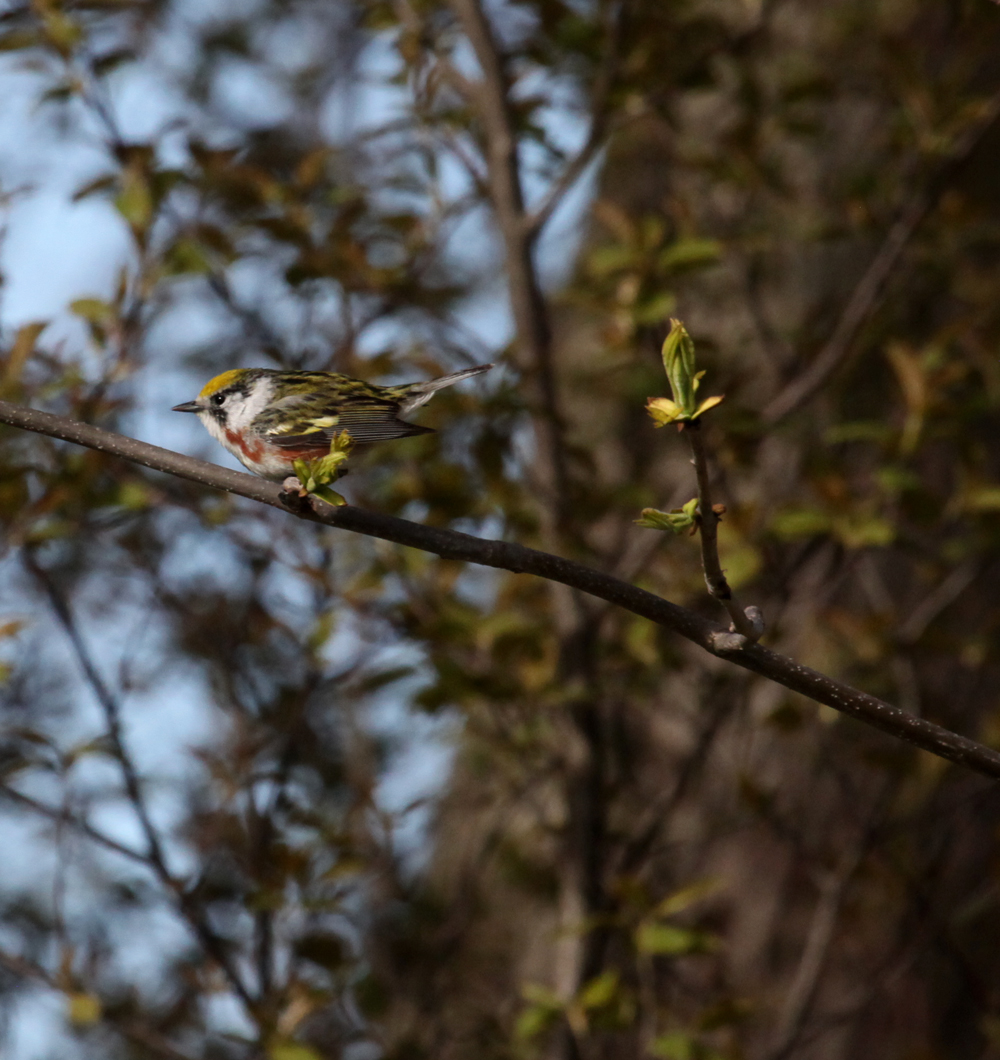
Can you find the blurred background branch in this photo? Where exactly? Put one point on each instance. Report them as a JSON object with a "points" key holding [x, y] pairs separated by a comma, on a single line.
{"points": [[417, 807]]}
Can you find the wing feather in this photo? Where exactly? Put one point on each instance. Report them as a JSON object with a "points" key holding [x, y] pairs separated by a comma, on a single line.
{"points": [[370, 421]]}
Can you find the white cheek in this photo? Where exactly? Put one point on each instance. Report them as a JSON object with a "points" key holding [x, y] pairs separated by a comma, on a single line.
{"points": [[242, 416]]}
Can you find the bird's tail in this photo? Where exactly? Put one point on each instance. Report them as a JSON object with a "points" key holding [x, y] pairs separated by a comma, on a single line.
{"points": [[420, 393]]}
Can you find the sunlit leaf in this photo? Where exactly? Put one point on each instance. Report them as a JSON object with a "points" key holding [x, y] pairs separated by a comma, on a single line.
{"points": [[134, 200], [668, 940], [95, 310], [793, 523], [292, 1051], [600, 991], [663, 410], [675, 1046], [21, 350], [676, 521], [83, 1009], [687, 896]]}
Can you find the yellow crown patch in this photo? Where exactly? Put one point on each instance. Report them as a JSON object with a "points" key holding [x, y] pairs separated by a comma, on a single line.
{"points": [[221, 381]]}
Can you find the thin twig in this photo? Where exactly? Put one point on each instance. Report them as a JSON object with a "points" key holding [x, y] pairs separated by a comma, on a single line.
{"points": [[112, 713], [708, 523], [941, 596], [802, 992], [519, 559], [59, 816], [652, 821], [213, 944], [491, 97], [600, 126]]}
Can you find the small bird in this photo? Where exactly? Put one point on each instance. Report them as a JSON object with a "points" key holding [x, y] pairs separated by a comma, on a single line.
{"points": [[268, 419]]}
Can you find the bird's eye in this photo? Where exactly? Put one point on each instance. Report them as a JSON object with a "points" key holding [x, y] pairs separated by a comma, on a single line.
{"points": [[218, 399]]}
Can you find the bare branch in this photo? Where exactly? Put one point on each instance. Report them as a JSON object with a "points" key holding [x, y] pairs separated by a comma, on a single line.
{"points": [[866, 295], [519, 559], [213, 944], [112, 714], [600, 126], [802, 992], [491, 96], [941, 596], [60, 816]]}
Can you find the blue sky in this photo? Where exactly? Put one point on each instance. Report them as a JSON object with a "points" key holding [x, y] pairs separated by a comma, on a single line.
{"points": [[55, 250]]}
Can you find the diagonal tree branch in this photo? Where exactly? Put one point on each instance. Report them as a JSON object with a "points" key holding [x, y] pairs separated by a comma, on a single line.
{"points": [[78, 824], [600, 123], [491, 97], [867, 294], [519, 559], [112, 715], [802, 991], [188, 905]]}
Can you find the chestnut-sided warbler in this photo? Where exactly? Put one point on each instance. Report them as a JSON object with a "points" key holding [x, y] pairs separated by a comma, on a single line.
{"points": [[269, 419]]}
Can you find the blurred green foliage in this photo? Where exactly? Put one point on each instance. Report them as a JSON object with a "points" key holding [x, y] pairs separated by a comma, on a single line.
{"points": [[752, 160]]}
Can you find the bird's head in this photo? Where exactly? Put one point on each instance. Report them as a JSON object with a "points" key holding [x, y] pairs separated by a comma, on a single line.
{"points": [[232, 399]]}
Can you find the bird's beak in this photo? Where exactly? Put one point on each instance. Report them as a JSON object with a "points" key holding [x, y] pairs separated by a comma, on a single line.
{"points": [[188, 406]]}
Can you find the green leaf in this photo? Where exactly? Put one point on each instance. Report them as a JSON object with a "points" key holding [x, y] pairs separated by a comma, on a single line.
{"points": [[982, 499], [687, 896], [663, 410], [688, 253], [894, 480], [315, 475], [135, 200], [332, 497], [674, 1046], [668, 940], [292, 1051], [61, 30], [18, 39], [599, 991], [134, 496], [534, 1021], [708, 403], [679, 364], [794, 523], [301, 468], [112, 60], [92, 187], [656, 309], [21, 350], [676, 521], [541, 995], [864, 531], [857, 431], [604, 261], [96, 310], [187, 256], [83, 1009]]}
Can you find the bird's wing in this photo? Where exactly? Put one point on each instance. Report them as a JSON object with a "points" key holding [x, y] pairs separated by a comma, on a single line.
{"points": [[378, 424], [367, 419]]}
